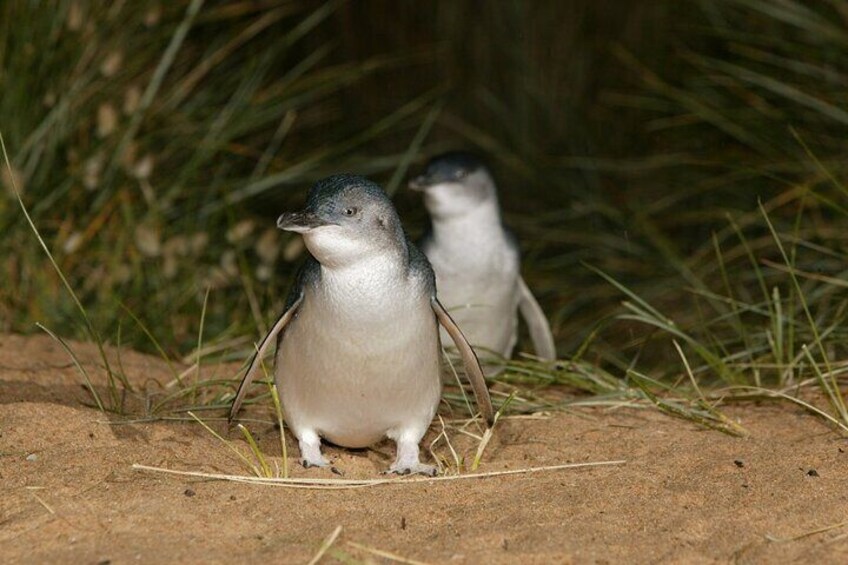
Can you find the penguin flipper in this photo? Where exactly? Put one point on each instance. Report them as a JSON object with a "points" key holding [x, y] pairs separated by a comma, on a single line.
{"points": [[263, 348], [469, 359], [537, 323]]}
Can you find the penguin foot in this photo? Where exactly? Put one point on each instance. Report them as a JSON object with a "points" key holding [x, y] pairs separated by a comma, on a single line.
{"points": [[413, 469], [308, 463], [310, 451], [406, 462]]}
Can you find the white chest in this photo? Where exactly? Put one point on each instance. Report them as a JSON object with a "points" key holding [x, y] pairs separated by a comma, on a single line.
{"points": [[361, 358], [477, 275]]}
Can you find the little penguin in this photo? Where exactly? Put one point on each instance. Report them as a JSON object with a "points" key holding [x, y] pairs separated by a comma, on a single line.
{"points": [[476, 259], [358, 346]]}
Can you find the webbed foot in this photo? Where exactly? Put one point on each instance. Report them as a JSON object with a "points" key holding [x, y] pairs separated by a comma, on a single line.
{"points": [[416, 468], [310, 451], [308, 463], [406, 462]]}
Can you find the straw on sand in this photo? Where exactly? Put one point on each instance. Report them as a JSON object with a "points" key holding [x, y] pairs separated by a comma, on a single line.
{"points": [[334, 484]]}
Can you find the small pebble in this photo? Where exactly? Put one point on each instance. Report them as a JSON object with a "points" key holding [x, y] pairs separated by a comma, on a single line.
{"points": [[189, 492], [32, 457], [812, 473], [739, 463]]}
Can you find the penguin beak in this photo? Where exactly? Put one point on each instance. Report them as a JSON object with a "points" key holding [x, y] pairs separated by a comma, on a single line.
{"points": [[420, 183], [301, 222]]}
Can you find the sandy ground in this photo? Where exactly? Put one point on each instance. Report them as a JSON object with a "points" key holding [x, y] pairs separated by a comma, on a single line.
{"points": [[69, 493]]}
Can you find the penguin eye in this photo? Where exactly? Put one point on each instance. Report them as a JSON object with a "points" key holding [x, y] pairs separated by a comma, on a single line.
{"points": [[352, 211]]}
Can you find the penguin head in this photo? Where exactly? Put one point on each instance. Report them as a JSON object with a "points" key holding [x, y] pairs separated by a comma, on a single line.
{"points": [[454, 184], [347, 218]]}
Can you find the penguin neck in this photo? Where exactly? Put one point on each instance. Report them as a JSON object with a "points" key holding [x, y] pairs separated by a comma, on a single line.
{"points": [[479, 228], [371, 273]]}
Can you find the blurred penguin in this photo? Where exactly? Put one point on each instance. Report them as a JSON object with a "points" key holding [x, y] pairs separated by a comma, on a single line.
{"points": [[477, 260]]}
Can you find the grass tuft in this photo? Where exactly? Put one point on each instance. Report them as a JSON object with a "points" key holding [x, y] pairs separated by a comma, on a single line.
{"points": [[676, 176]]}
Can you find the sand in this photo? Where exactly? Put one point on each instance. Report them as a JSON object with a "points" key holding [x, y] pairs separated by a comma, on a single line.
{"points": [[684, 494]]}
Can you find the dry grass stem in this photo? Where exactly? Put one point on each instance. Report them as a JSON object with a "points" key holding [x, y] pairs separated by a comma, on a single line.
{"points": [[317, 483]]}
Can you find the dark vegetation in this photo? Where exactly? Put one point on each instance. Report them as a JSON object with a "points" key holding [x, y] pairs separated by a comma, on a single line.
{"points": [[674, 170]]}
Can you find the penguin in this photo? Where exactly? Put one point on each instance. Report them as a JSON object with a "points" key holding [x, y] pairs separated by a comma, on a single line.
{"points": [[477, 261], [358, 346]]}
